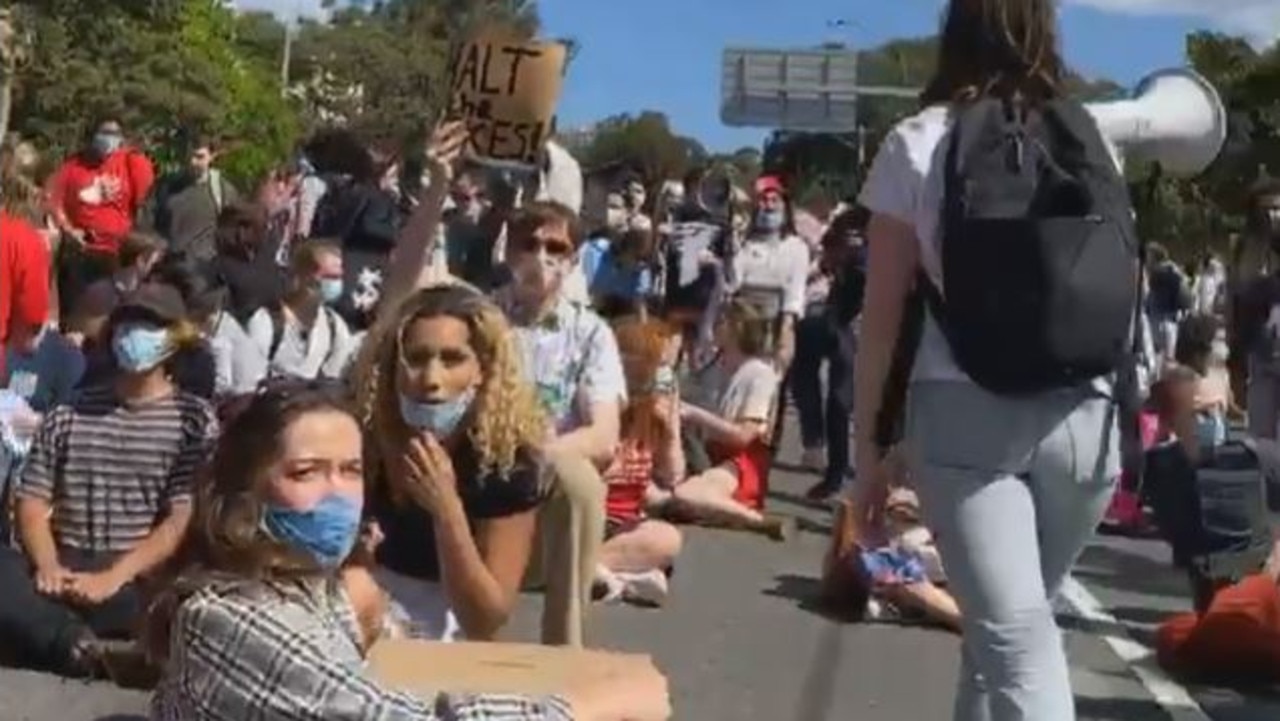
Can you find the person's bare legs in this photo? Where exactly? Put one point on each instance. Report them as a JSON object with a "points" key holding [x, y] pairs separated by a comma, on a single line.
{"points": [[648, 546], [935, 603], [709, 498], [633, 564]]}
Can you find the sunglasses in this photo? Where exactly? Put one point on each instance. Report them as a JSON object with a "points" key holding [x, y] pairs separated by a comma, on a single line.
{"points": [[554, 247]]}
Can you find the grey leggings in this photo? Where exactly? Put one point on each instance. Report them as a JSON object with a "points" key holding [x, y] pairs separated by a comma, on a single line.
{"points": [[1013, 488]]}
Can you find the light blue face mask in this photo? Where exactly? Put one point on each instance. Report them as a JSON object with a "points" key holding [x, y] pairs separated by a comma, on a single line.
{"points": [[1211, 430], [107, 143], [327, 532], [440, 419], [770, 220], [140, 348], [664, 379], [330, 290]]}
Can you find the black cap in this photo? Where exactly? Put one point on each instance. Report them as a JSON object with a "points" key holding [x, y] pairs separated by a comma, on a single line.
{"points": [[158, 301]]}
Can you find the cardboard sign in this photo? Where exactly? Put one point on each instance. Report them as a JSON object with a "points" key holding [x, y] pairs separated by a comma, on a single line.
{"points": [[426, 668], [506, 89]]}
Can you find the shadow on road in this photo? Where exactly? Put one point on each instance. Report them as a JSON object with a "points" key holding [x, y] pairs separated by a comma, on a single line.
{"points": [[121, 717], [1118, 709], [1131, 572]]}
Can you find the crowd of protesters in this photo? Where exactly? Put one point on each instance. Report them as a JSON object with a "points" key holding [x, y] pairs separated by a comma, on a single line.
{"points": [[248, 434]]}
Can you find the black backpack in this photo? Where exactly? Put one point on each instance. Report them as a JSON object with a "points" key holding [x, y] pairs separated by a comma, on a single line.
{"points": [[1214, 516], [1039, 250]]}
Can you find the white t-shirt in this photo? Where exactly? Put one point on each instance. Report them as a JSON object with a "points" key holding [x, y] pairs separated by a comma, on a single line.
{"points": [[907, 182], [781, 263], [323, 351], [749, 393]]}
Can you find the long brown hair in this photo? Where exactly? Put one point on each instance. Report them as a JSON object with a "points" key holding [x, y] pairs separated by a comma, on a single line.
{"points": [[997, 48], [507, 417], [226, 542], [642, 343]]}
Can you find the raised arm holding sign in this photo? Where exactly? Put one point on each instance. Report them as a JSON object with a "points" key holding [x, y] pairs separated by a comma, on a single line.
{"points": [[505, 88]]}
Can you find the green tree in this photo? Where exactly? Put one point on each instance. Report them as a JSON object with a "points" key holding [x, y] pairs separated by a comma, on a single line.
{"points": [[168, 69], [647, 144]]}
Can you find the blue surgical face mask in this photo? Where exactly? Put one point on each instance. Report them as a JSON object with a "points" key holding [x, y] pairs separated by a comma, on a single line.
{"points": [[107, 143], [327, 532], [770, 220], [330, 290], [1211, 430], [140, 348], [441, 419]]}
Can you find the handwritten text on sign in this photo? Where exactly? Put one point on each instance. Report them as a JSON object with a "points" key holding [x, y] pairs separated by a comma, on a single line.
{"points": [[506, 91]]}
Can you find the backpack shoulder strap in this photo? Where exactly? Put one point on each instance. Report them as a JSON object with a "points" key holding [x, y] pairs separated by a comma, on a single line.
{"points": [[276, 314], [333, 319]]}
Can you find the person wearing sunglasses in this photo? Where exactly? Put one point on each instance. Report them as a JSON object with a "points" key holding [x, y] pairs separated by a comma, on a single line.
{"points": [[571, 356]]}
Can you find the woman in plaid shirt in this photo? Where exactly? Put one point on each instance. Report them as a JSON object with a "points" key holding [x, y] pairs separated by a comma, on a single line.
{"points": [[261, 624]]}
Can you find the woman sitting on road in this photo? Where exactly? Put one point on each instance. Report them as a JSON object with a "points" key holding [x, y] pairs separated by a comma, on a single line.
{"points": [[261, 622], [638, 551], [741, 384], [456, 475]]}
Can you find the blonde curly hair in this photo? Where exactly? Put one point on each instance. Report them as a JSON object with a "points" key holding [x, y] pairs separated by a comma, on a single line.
{"points": [[506, 418]]}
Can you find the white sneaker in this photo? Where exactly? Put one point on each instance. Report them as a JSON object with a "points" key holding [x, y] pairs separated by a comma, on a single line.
{"points": [[645, 589], [608, 587], [814, 459]]}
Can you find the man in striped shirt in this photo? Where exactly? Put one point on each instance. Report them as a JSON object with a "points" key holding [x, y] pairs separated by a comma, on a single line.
{"points": [[105, 495]]}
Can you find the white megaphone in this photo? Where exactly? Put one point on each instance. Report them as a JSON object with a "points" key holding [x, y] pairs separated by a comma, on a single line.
{"points": [[1175, 118]]}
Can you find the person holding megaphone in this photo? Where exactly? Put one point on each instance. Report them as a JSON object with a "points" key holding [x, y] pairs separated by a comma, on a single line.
{"points": [[1003, 282]]}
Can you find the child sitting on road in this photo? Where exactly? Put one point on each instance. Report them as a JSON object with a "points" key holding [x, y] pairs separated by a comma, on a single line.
{"points": [[888, 568]]}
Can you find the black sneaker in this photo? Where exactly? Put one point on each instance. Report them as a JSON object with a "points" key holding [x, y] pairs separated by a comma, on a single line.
{"points": [[823, 490]]}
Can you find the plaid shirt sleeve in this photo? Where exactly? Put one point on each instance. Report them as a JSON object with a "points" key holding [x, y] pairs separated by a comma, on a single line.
{"points": [[243, 659]]}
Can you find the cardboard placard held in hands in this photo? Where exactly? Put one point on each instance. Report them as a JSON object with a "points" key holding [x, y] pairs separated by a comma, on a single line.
{"points": [[506, 88], [426, 668]]}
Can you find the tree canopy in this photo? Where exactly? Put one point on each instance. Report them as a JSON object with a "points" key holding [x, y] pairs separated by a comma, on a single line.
{"points": [[172, 70]]}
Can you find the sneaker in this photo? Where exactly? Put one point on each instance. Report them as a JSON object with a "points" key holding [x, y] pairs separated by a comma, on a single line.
{"points": [[823, 490], [645, 589], [607, 588], [814, 459]]}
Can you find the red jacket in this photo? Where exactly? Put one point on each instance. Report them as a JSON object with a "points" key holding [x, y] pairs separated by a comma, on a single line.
{"points": [[24, 278], [102, 198]]}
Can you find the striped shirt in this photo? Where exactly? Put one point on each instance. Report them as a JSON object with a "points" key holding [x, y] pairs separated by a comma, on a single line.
{"points": [[112, 470]]}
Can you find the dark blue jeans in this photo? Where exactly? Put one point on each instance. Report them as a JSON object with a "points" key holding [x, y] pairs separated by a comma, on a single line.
{"points": [[825, 413], [41, 632]]}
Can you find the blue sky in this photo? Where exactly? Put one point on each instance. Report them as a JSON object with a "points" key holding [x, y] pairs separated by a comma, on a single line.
{"points": [[665, 54]]}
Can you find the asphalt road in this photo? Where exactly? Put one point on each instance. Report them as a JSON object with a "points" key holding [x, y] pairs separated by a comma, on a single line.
{"points": [[738, 641]]}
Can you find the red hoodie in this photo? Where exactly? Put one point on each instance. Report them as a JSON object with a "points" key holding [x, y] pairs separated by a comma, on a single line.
{"points": [[24, 278], [102, 198]]}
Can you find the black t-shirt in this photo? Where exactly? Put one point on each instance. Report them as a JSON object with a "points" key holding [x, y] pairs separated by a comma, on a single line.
{"points": [[409, 545]]}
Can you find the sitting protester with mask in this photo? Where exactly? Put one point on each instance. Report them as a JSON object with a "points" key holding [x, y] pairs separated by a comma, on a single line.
{"points": [[617, 263], [456, 477], [105, 494], [303, 337], [262, 623]]}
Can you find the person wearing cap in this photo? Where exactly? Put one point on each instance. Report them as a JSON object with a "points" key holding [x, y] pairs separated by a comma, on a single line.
{"points": [[105, 494], [772, 267]]}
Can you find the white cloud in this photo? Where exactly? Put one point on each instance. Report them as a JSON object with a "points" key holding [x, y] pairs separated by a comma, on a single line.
{"points": [[1259, 20]]}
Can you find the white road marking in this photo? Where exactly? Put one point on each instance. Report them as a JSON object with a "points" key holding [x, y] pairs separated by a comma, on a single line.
{"points": [[1169, 694]]}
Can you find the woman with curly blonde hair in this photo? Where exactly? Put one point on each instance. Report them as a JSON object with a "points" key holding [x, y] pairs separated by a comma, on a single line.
{"points": [[456, 477]]}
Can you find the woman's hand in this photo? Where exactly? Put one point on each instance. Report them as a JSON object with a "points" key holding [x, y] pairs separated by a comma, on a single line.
{"points": [[429, 475], [635, 694], [445, 149], [869, 494]]}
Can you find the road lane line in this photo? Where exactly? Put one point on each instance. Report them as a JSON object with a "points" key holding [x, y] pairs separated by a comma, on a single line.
{"points": [[1170, 695]]}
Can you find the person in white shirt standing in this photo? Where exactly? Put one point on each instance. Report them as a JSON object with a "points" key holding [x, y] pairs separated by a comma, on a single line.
{"points": [[1011, 435]]}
